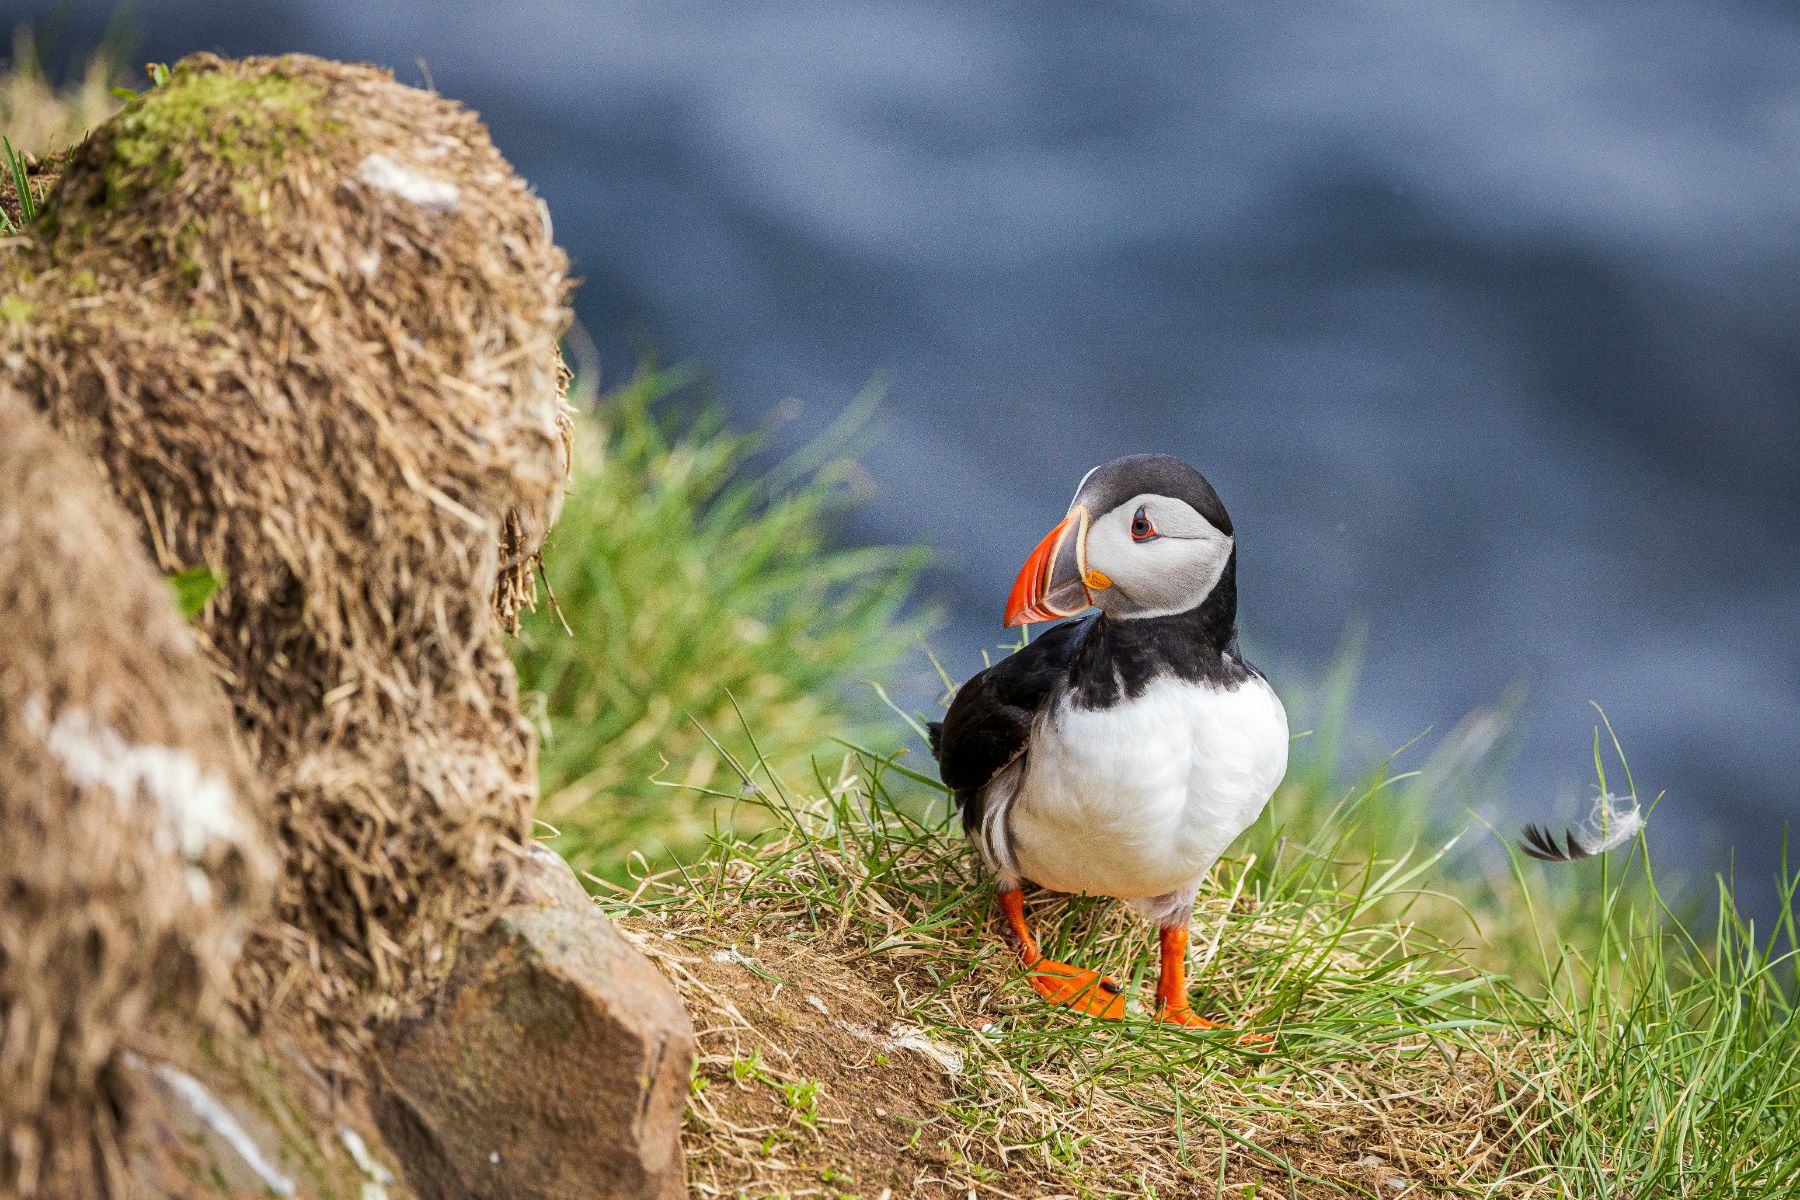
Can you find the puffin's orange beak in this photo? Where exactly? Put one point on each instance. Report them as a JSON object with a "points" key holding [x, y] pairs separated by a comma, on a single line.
{"points": [[1053, 582]]}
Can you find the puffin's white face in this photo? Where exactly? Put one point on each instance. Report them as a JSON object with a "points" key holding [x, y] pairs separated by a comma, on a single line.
{"points": [[1145, 536], [1153, 556]]}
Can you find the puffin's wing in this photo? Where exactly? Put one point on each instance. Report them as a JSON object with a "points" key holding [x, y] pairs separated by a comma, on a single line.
{"points": [[989, 722]]}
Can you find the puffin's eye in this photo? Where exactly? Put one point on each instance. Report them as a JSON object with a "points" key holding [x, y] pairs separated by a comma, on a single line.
{"points": [[1142, 530]]}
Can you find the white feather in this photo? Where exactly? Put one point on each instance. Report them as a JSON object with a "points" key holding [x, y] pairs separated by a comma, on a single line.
{"points": [[1610, 824]]}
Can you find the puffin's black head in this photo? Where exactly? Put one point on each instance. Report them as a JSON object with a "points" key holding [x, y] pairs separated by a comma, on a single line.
{"points": [[1145, 536]]}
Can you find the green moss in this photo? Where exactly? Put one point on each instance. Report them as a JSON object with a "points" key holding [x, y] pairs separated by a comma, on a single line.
{"points": [[16, 310], [244, 123]]}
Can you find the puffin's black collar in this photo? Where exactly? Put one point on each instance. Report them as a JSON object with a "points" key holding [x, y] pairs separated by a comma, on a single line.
{"points": [[1118, 659]]}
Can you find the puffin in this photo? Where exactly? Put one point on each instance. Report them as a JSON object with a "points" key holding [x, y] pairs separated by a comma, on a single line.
{"points": [[1119, 754]]}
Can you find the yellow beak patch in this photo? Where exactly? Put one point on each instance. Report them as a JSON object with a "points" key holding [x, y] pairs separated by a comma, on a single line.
{"points": [[1096, 581]]}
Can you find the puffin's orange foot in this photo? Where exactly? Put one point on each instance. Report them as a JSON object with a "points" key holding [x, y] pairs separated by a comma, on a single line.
{"points": [[1187, 1016], [1184, 1015], [1078, 988]]}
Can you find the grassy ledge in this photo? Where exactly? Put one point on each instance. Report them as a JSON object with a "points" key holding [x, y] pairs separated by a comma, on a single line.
{"points": [[866, 1033]]}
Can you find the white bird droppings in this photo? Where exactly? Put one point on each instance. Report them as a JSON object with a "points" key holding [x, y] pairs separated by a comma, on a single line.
{"points": [[384, 174], [733, 955], [365, 1162], [900, 1036], [197, 807], [217, 1118]]}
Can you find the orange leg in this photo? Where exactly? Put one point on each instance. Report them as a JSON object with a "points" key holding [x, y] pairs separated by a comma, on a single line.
{"points": [[1061, 984], [1171, 989]]}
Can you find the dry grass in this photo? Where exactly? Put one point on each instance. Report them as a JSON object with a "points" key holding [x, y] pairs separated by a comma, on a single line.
{"points": [[41, 118], [1437, 1032]]}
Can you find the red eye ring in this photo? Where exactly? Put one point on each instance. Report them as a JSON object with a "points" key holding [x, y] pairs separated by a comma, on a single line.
{"points": [[1143, 529]]}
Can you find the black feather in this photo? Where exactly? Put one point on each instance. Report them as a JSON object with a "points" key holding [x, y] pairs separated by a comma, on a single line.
{"points": [[1540, 843], [934, 733], [989, 722]]}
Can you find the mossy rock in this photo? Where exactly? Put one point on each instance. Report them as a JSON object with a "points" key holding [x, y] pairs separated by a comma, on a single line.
{"points": [[203, 119]]}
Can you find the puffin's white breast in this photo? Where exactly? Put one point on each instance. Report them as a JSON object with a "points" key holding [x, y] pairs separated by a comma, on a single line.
{"points": [[1139, 798]]}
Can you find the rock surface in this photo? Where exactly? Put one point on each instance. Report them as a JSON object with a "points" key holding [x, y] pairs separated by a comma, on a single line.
{"points": [[227, 1115], [554, 1063], [134, 844]]}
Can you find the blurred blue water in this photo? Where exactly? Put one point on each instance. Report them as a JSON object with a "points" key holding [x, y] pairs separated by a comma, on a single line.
{"points": [[1484, 319]]}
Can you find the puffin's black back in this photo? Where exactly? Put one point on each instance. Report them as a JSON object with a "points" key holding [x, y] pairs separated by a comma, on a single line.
{"points": [[989, 722]]}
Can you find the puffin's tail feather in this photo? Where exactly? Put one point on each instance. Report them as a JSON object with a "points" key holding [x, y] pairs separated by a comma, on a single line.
{"points": [[1540, 843], [934, 733]]}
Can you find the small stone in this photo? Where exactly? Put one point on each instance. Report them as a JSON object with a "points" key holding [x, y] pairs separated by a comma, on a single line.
{"points": [[554, 1036]]}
